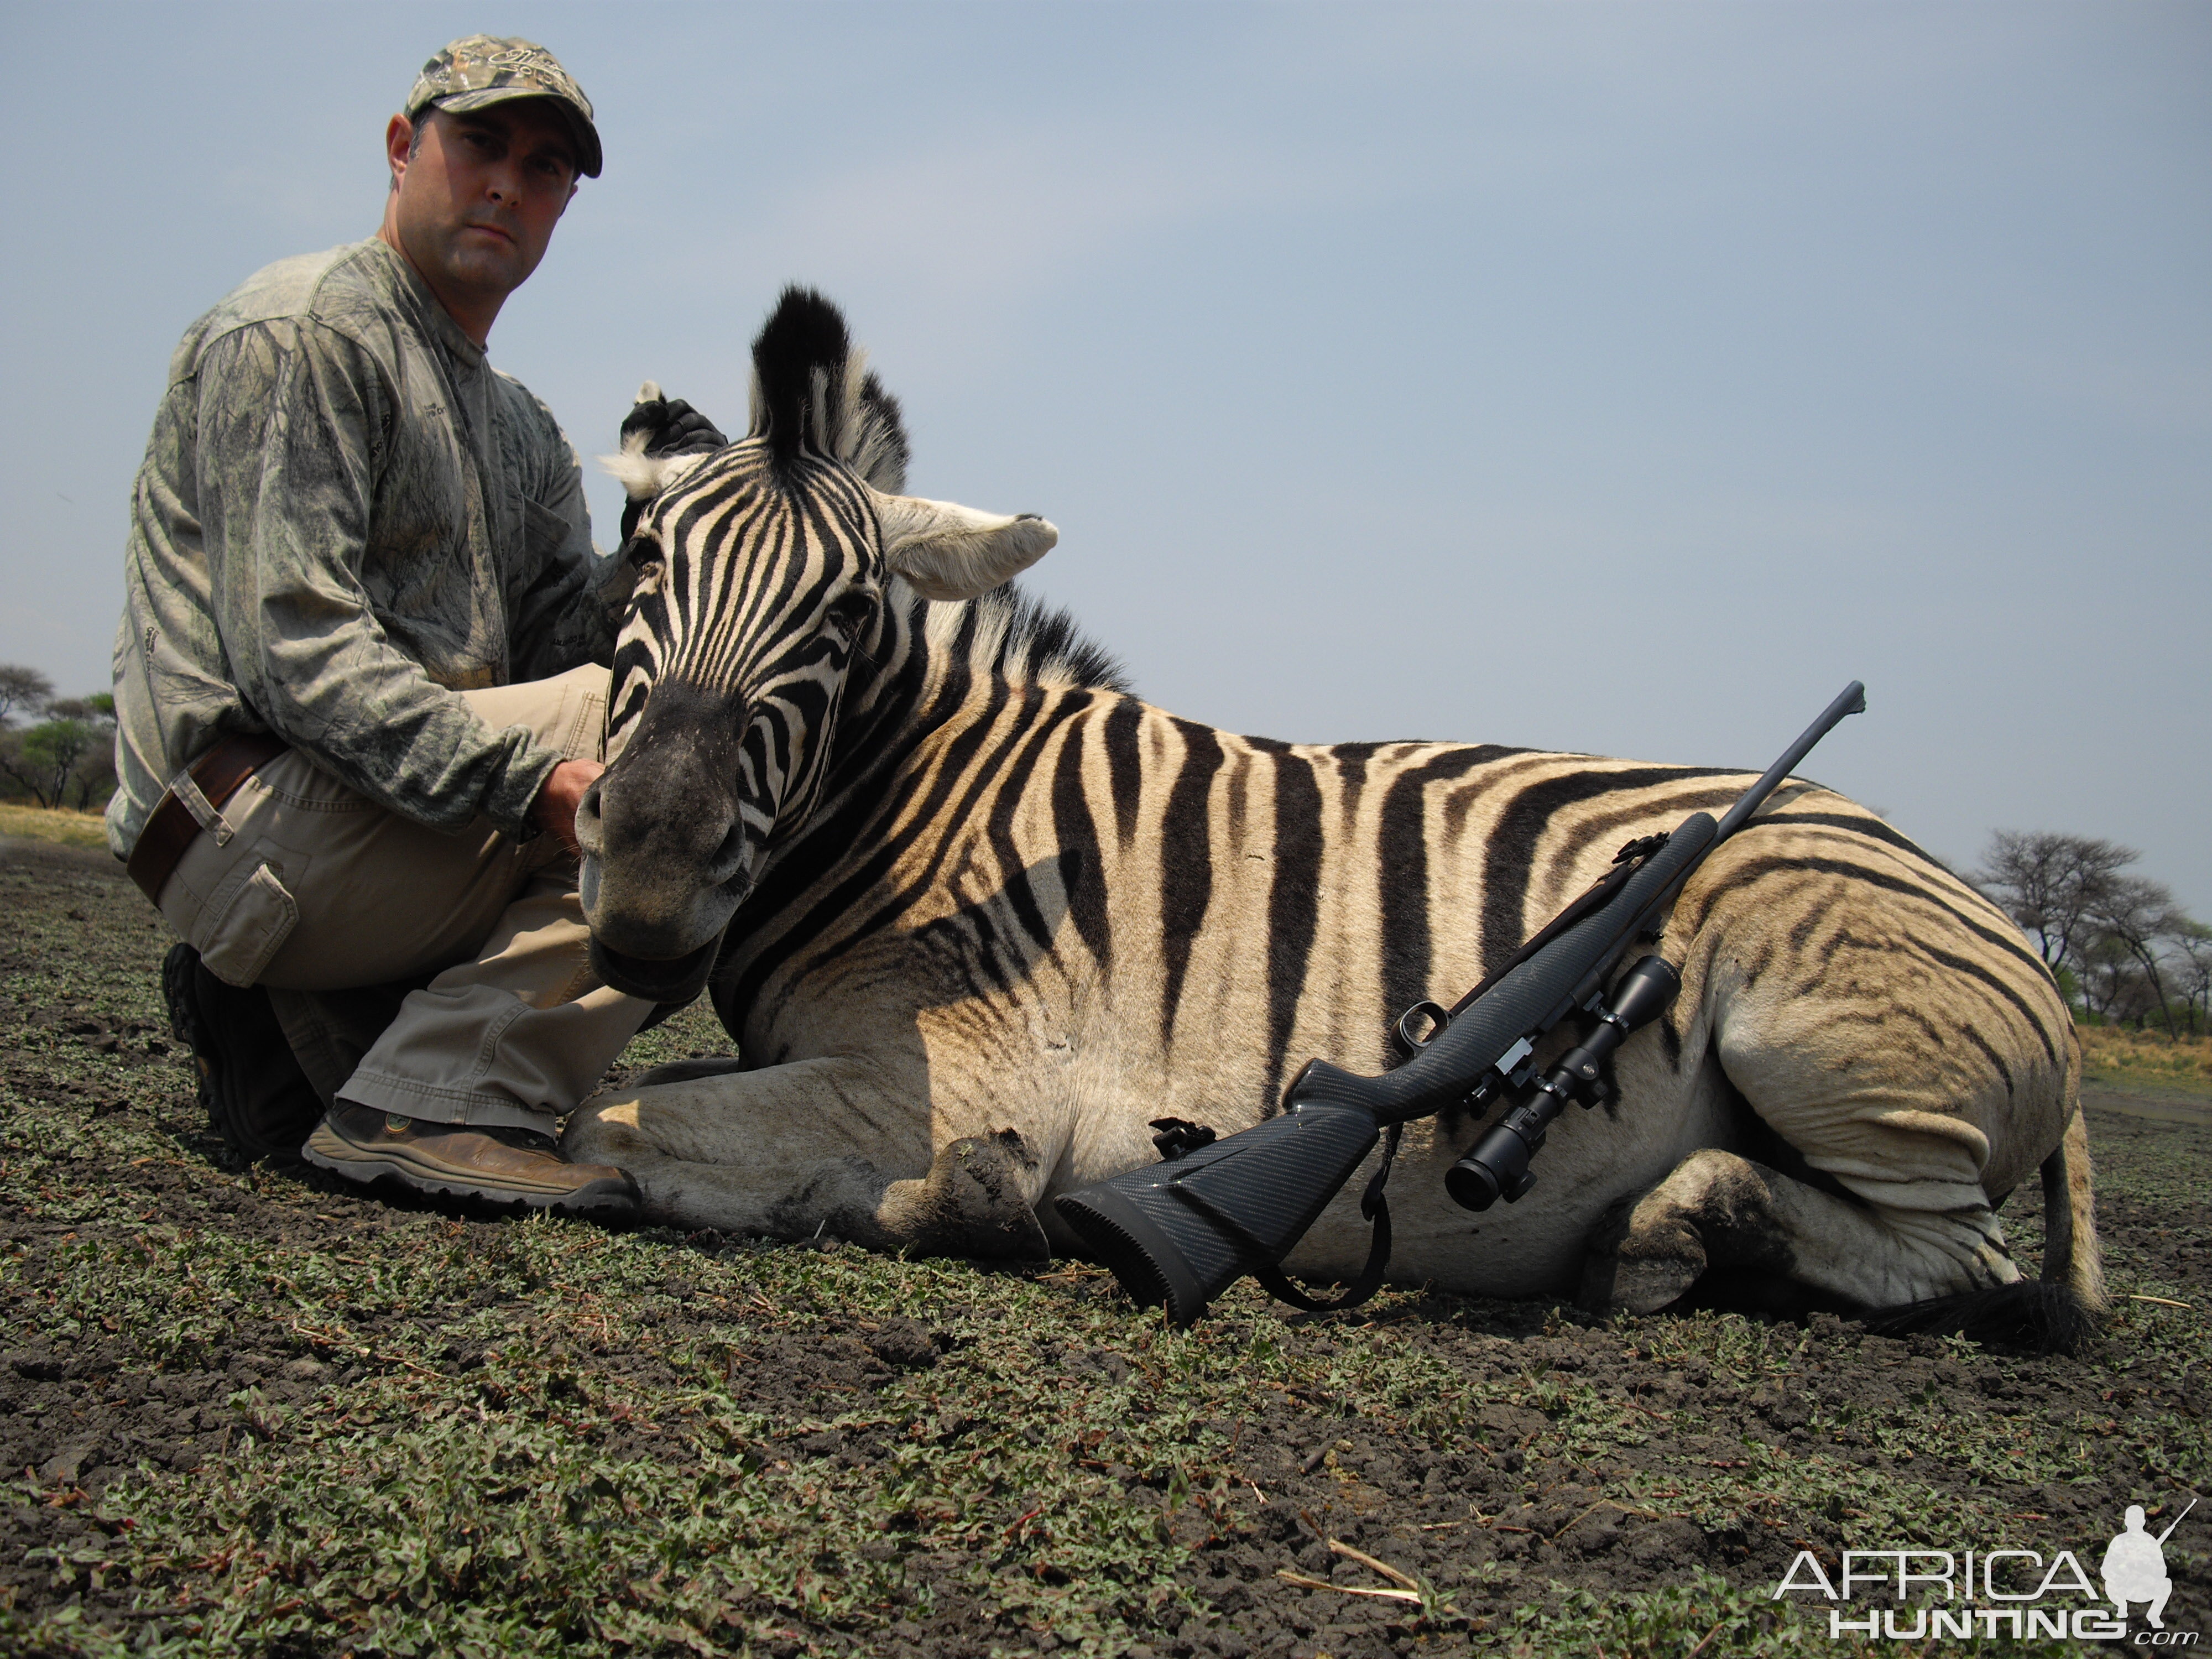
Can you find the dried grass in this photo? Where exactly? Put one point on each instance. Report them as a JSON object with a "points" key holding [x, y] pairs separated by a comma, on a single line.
{"points": [[2120, 1054], [46, 823]]}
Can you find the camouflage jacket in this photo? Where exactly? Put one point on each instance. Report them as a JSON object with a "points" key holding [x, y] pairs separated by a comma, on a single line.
{"points": [[345, 516]]}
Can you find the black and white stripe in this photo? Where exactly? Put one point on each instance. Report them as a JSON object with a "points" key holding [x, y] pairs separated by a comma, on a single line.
{"points": [[966, 885]]}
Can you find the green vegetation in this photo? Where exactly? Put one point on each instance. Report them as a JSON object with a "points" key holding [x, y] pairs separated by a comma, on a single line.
{"points": [[331, 1426], [65, 757]]}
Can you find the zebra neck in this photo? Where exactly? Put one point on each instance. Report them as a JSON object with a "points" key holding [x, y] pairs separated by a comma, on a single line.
{"points": [[921, 669], [891, 703]]}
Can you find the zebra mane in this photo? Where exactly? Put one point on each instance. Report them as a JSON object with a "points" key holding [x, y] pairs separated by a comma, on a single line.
{"points": [[812, 389], [1006, 634]]}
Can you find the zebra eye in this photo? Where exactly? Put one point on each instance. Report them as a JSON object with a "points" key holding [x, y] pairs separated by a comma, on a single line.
{"points": [[643, 553], [846, 616]]}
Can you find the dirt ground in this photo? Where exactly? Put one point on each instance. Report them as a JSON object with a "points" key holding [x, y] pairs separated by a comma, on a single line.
{"points": [[203, 1371]]}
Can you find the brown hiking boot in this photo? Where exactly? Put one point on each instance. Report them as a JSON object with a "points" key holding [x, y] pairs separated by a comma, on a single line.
{"points": [[502, 1165]]}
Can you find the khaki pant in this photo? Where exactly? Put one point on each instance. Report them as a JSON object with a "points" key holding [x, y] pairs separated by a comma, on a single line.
{"points": [[313, 891]]}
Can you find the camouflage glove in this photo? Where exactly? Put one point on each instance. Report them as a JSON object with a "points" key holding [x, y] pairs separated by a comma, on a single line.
{"points": [[668, 426], [672, 427]]}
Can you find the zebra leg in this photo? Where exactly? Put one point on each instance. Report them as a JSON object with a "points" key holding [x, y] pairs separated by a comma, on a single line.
{"points": [[1720, 1211], [1908, 1077], [817, 1146]]}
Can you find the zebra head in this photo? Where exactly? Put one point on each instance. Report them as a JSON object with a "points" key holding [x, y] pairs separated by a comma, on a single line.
{"points": [[767, 578]]}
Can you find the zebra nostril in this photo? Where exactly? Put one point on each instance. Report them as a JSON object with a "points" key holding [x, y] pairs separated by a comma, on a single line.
{"points": [[730, 856], [590, 829]]}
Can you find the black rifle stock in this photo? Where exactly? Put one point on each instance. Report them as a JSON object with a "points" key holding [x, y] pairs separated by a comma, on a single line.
{"points": [[1183, 1230]]}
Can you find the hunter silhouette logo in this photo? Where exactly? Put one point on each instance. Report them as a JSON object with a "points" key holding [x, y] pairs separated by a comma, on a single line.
{"points": [[2135, 1566]]}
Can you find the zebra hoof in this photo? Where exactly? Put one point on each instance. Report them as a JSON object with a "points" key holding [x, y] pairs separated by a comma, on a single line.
{"points": [[1642, 1286], [1635, 1269], [972, 1203]]}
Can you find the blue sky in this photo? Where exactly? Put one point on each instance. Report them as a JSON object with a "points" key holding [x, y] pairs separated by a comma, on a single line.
{"points": [[1613, 378]]}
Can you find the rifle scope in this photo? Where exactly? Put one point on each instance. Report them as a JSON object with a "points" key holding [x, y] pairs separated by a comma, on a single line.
{"points": [[1498, 1166]]}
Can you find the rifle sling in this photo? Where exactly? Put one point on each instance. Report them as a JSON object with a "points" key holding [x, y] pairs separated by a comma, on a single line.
{"points": [[1277, 1284]]}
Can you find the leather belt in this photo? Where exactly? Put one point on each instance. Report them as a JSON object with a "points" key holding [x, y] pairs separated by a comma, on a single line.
{"points": [[169, 831]]}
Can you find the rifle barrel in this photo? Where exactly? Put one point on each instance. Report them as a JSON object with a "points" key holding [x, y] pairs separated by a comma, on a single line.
{"points": [[1852, 699], [2178, 1520]]}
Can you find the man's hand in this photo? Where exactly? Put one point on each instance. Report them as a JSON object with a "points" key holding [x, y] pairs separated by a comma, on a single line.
{"points": [[555, 809], [668, 426], [672, 427]]}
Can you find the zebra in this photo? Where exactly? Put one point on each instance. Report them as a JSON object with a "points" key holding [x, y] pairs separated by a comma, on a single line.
{"points": [[979, 920]]}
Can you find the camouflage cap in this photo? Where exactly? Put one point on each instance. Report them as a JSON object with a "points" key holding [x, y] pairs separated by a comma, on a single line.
{"points": [[486, 68]]}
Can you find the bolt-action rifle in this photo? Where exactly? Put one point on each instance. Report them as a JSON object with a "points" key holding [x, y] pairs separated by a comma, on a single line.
{"points": [[1183, 1230]]}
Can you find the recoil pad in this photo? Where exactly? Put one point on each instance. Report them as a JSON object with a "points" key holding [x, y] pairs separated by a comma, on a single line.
{"points": [[1183, 1231]]}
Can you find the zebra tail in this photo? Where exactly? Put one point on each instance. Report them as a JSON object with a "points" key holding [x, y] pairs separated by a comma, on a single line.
{"points": [[2055, 1314], [2071, 1253]]}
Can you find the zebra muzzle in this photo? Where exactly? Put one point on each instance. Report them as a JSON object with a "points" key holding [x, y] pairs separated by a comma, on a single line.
{"points": [[679, 979]]}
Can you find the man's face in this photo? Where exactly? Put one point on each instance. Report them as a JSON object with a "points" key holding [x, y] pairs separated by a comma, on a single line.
{"points": [[478, 200]]}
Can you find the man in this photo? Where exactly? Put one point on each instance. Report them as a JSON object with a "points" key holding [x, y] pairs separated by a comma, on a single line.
{"points": [[360, 679]]}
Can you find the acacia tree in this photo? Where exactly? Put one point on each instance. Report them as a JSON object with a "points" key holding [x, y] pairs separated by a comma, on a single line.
{"points": [[91, 776], [2136, 915], [2192, 960], [22, 688], [72, 746], [2050, 885], [2119, 937], [27, 690]]}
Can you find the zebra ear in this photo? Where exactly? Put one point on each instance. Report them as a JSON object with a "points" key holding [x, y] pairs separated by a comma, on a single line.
{"points": [[953, 552]]}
